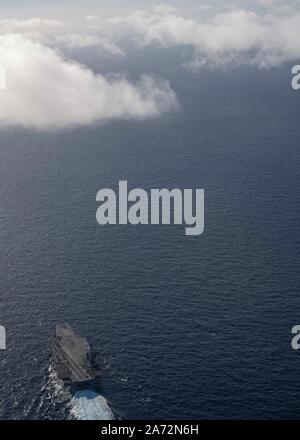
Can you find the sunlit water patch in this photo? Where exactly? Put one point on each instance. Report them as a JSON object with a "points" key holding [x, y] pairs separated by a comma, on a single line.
{"points": [[88, 405]]}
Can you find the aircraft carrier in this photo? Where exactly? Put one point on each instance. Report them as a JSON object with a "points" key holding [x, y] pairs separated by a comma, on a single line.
{"points": [[72, 356]]}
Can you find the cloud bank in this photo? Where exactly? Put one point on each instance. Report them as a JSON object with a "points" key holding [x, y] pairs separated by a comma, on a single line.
{"points": [[44, 90], [227, 38]]}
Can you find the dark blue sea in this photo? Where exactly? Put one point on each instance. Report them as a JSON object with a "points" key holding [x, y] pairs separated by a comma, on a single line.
{"points": [[185, 327]]}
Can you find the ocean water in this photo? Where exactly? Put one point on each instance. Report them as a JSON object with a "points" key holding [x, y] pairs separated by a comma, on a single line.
{"points": [[184, 327]]}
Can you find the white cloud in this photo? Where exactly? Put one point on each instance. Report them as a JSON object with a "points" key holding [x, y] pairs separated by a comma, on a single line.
{"points": [[12, 25], [74, 40], [105, 46], [163, 8], [243, 37], [47, 90], [44, 90], [229, 38]]}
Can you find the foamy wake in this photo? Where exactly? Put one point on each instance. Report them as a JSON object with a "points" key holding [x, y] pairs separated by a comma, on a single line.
{"points": [[88, 405]]}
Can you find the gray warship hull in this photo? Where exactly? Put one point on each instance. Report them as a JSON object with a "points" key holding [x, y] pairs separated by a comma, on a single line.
{"points": [[72, 356]]}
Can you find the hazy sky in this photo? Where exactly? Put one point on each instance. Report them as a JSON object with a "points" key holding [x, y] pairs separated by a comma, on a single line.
{"points": [[77, 7]]}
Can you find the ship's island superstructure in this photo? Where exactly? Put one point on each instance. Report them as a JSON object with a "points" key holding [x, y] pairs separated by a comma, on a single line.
{"points": [[72, 355]]}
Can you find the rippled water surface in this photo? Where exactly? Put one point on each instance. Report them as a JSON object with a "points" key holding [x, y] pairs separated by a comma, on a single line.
{"points": [[185, 327]]}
